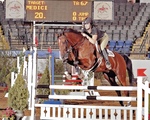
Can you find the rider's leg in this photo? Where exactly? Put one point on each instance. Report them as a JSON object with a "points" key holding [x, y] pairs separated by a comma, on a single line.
{"points": [[105, 55], [104, 42]]}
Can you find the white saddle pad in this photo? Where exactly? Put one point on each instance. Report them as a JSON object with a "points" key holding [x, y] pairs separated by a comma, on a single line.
{"points": [[110, 53]]}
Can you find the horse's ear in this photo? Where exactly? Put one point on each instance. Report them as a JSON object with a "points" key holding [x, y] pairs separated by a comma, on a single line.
{"points": [[64, 30], [57, 35]]}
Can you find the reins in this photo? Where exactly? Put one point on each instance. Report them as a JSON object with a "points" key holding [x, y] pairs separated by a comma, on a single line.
{"points": [[77, 44]]}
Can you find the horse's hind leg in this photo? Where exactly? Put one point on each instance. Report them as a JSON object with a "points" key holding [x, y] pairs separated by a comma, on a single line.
{"points": [[112, 82], [122, 79]]}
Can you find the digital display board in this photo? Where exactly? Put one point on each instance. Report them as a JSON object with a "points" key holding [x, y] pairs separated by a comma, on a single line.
{"points": [[58, 10]]}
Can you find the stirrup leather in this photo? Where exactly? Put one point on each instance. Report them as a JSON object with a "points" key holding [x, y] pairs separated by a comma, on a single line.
{"points": [[108, 65]]}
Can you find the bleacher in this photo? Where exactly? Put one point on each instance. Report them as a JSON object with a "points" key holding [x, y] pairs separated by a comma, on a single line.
{"points": [[130, 21]]}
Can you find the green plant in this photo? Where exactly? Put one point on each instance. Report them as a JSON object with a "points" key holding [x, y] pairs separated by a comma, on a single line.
{"points": [[62, 92], [44, 80], [59, 68], [7, 62], [18, 94], [8, 80]]}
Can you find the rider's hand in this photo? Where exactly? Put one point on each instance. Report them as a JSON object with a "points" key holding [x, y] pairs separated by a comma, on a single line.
{"points": [[84, 34]]}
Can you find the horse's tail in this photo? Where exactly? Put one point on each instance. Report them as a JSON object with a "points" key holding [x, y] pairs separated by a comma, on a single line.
{"points": [[129, 69]]}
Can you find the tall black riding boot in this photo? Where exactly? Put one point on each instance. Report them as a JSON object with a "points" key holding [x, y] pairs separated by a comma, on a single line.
{"points": [[105, 55]]}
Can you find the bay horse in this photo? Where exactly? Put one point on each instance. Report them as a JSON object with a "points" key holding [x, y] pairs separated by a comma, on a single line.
{"points": [[76, 50]]}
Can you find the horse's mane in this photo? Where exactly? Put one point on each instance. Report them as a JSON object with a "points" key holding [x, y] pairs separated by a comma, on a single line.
{"points": [[72, 30]]}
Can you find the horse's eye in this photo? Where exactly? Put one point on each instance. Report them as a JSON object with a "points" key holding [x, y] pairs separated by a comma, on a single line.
{"points": [[64, 42]]}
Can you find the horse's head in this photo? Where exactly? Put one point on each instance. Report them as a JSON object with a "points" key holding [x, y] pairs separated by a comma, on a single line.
{"points": [[63, 45], [73, 37], [67, 39]]}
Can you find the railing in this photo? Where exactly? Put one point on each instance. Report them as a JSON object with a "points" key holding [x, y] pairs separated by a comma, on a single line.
{"points": [[87, 112], [81, 112]]}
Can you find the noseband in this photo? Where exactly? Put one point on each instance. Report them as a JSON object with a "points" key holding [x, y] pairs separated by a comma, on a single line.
{"points": [[75, 45], [68, 48]]}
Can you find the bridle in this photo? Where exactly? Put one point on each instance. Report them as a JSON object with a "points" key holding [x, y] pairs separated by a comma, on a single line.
{"points": [[77, 44], [68, 48]]}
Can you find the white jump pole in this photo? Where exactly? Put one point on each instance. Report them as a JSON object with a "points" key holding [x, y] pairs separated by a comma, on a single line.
{"points": [[139, 98], [33, 74], [146, 100], [12, 78], [129, 88], [25, 71], [18, 64], [108, 98], [30, 80]]}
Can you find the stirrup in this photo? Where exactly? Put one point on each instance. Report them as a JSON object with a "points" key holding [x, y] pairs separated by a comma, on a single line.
{"points": [[108, 65]]}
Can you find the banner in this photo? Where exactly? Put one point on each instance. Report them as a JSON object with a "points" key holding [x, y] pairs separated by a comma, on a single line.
{"points": [[103, 10], [141, 68], [144, 1], [15, 9]]}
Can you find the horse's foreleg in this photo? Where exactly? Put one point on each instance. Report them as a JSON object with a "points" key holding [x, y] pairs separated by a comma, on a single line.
{"points": [[68, 76], [79, 72]]}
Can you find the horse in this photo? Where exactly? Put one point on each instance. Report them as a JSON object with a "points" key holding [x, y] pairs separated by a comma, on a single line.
{"points": [[76, 50]]}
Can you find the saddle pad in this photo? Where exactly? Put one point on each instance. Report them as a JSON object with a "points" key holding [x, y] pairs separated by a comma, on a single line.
{"points": [[110, 53]]}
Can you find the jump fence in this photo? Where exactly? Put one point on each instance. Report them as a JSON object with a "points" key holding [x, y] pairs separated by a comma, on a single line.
{"points": [[89, 112]]}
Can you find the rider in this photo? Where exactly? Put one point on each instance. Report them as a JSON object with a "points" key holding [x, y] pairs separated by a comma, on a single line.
{"points": [[97, 37]]}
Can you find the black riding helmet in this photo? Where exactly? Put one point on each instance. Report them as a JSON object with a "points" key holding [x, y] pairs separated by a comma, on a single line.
{"points": [[88, 20]]}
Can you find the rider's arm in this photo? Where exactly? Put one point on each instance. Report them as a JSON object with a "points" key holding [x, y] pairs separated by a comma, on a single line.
{"points": [[93, 37]]}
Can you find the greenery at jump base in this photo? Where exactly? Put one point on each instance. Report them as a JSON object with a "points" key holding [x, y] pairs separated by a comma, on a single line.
{"points": [[18, 94], [8, 64]]}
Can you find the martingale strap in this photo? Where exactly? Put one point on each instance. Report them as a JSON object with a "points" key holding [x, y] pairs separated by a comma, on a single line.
{"points": [[99, 61], [75, 54], [96, 64]]}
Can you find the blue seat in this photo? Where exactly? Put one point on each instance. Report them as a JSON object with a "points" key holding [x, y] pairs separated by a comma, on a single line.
{"points": [[111, 48], [112, 44], [120, 44], [117, 49], [128, 43], [148, 55], [126, 50]]}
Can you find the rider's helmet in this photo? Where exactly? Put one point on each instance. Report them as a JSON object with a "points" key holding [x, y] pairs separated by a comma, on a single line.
{"points": [[87, 20]]}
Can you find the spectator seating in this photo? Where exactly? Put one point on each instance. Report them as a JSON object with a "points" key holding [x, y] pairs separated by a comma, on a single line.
{"points": [[120, 46], [120, 43], [112, 45], [129, 21]]}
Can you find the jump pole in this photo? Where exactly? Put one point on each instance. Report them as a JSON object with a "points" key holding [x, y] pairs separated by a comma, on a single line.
{"points": [[129, 88], [108, 98], [34, 75], [29, 77], [51, 71]]}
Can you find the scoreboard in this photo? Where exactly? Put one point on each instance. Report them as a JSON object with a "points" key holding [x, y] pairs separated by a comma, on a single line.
{"points": [[58, 10]]}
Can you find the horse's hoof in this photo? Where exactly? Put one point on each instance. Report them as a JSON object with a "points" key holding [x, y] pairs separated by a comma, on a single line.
{"points": [[127, 105], [81, 76], [68, 77]]}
